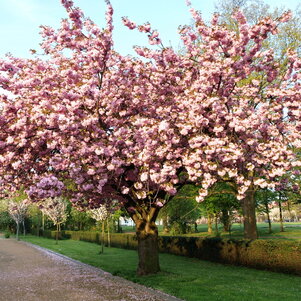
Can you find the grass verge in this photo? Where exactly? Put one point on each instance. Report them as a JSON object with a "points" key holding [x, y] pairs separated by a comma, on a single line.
{"points": [[186, 278]]}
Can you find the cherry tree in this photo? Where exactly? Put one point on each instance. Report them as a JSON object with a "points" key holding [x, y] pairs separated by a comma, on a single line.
{"points": [[243, 110], [17, 211], [93, 125], [101, 214], [95, 120], [55, 209]]}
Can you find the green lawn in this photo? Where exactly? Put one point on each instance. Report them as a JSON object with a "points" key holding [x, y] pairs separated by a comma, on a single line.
{"points": [[186, 278], [292, 231]]}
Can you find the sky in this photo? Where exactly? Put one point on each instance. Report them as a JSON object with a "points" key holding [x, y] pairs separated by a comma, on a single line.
{"points": [[20, 20]]}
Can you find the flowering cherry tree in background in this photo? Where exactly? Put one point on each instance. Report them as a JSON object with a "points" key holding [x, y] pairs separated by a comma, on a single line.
{"points": [[17, 211], [243, 110], [55, 209], [101, 214], [93, 125]]}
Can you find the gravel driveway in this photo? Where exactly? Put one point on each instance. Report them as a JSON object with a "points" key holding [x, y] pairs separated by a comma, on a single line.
{"points": [[31, 273]]}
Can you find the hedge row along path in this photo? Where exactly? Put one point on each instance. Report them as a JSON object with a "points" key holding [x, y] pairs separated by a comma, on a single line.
{"points": [[29, 272]]}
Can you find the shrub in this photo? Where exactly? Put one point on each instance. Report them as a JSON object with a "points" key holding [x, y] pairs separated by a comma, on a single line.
{"points": [[7, 234]]}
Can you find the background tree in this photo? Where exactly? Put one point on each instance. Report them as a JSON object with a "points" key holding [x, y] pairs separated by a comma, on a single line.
{"points": [[182, 211], [6, 222], [252, 165], [264, 199], [220, 203], [101, 214], [55, 209], [17, 211], [79, 220]]}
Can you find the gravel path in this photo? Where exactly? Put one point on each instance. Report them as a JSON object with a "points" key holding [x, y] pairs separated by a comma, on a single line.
{"points": [[32, 273]]}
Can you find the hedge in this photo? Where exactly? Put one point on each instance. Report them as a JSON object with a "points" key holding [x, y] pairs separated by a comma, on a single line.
{"points": [[273, 255]]}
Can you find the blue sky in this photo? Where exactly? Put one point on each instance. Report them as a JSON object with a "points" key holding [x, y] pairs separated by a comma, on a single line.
{"points": [[20, 20]]}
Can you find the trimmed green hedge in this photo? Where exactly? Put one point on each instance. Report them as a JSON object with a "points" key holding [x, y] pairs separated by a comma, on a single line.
{"points": [[118, 240], [273, 255]]}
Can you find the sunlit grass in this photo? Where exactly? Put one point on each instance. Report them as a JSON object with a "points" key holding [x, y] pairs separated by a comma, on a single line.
{"points": [[186, 278], [292, 231]]}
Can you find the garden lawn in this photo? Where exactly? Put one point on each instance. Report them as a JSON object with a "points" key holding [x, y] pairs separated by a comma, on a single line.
{"points": [[292, 231], [186, 278]]}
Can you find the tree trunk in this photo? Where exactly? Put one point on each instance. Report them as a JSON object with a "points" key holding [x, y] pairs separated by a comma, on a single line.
{"points": [[23, 224], [17, 234], [38, 225], [57, 234], [196, 227], [289, 211], [102, 236], [148, 251], [226, 220], [281, 217], [209, 221], [165, 224], [43, 221], [109, 235], [268, 216], [119, 229], [216, 224], [249, 216], [147, 236]]}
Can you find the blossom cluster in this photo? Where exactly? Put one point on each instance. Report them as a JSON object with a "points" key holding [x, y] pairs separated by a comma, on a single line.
{"points": [[18, 210]]}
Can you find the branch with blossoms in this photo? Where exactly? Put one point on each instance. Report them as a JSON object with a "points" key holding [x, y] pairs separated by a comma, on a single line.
{"points": [[18, 210], [55, 208]]}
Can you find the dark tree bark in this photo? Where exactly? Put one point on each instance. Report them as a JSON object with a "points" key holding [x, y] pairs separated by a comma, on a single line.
{"points": [[165, 224], [148, 251], [18, 229], [226, 220], [102, 237], [109, 235], [209, 222], [43, 221], [216, 224], [268, 215], [23, 225], [249, 215], [57, 234], [281, 217], [147, 236]]}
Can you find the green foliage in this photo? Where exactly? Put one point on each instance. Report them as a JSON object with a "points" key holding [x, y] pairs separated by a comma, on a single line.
{"points": [[6, 222], [187, 278], [7, 234], [289, 35], [79, 220], [221, 202], [182, 211]]}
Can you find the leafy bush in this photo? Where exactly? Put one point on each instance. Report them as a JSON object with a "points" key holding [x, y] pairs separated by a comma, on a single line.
{"points": [[7, 234], [274, 255]]}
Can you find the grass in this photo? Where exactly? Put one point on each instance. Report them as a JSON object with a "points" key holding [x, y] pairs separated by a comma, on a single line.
{"points": [[187, 278], [292, 231]]}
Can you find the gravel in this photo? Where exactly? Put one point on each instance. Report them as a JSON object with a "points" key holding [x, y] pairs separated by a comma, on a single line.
{"points": [[29, 272]]}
